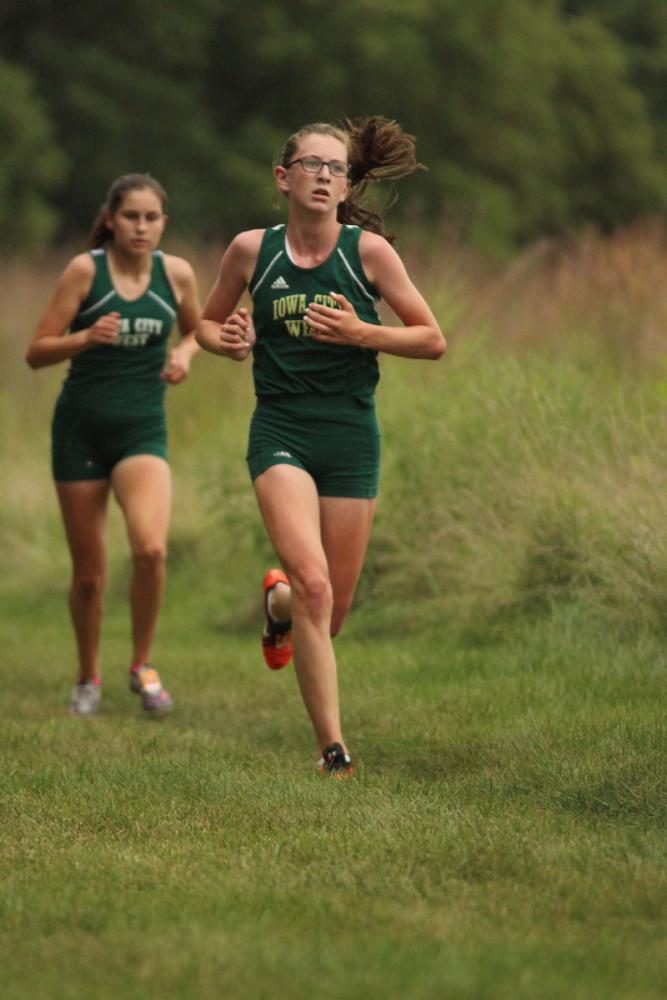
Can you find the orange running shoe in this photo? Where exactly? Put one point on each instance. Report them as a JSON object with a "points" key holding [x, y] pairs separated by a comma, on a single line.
{"points": [[277, 636], [145, 681]]}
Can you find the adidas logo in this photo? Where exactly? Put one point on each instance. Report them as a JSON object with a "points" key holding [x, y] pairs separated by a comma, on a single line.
{"points": [[279, 283]]}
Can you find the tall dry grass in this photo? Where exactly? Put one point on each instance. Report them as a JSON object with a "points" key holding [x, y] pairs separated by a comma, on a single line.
{"points": [[531, 468], [610, 290]]}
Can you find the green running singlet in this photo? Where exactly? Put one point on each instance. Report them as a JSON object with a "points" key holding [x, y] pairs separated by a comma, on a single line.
{"points": [[285, 358], [315, 402], [111, 404], [124, 376]]}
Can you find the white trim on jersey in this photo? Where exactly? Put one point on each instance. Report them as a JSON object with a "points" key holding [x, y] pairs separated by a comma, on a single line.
{"points": [[279, 254], [288, 251], [165, 305], [354, 276], [100, 302]]}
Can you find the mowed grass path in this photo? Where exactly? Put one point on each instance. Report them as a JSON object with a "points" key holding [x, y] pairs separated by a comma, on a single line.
{"points": [[504, 835]]}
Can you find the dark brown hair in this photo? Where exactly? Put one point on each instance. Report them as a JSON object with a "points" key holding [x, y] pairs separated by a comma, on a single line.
{"points": [[378, 150], [100, 234]]}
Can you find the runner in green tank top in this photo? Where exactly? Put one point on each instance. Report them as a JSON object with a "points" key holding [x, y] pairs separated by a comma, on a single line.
{"points": [[315, 335], [111, 316], [124, 376], [286, 357]]}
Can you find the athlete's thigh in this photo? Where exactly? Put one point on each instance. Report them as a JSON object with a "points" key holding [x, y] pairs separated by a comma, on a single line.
{"points": [[142, 486], [289, 505], [346, 524], [83, 505]]}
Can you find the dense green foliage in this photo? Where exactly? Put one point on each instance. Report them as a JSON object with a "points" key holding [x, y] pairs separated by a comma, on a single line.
{"points": [[532, 117], [31, 166]]}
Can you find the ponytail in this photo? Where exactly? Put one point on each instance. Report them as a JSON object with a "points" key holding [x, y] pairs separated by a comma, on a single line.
{"points": [[379, 150]]}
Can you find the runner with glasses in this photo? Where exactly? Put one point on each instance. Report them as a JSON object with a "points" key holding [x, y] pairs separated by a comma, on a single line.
{"points": [[315, 334], [313, 165]]}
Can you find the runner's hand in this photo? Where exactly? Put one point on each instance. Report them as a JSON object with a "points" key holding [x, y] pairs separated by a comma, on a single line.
{"points": [[178, 365], [237, 335], [335, 326], [105, 330]]}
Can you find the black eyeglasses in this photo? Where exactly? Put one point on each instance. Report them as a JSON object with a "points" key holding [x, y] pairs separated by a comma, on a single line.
{"points": [[313, 165]]}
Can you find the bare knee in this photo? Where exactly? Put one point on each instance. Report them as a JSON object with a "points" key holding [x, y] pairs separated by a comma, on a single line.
{"points": [[149, 558], [312, 590], [87, 588]]}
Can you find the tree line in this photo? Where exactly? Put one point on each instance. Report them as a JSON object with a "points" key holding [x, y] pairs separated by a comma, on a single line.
{"points": [[533, 116]]}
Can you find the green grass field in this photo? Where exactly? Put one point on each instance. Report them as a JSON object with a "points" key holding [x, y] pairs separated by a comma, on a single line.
{"points": [[503, 837], [502, 676]]}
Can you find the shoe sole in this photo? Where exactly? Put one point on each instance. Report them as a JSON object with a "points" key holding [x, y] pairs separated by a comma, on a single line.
{"points": [[274, 657], [272, 577], [162, 707], [340, 775]]}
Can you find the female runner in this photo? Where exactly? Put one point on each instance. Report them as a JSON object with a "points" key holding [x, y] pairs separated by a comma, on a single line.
{"points": [[110, 316], [315, 334]]}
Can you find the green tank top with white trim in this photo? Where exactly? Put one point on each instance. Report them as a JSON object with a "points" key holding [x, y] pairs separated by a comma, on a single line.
{"points": [[123, 377], [286, 360]]}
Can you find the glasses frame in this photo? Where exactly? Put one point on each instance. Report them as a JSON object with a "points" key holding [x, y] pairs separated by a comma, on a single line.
{"points": [[321, 163]]}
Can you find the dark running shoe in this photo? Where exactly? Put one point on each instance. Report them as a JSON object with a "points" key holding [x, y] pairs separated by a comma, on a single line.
{"points": [[277, 636], [336, 762]]}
